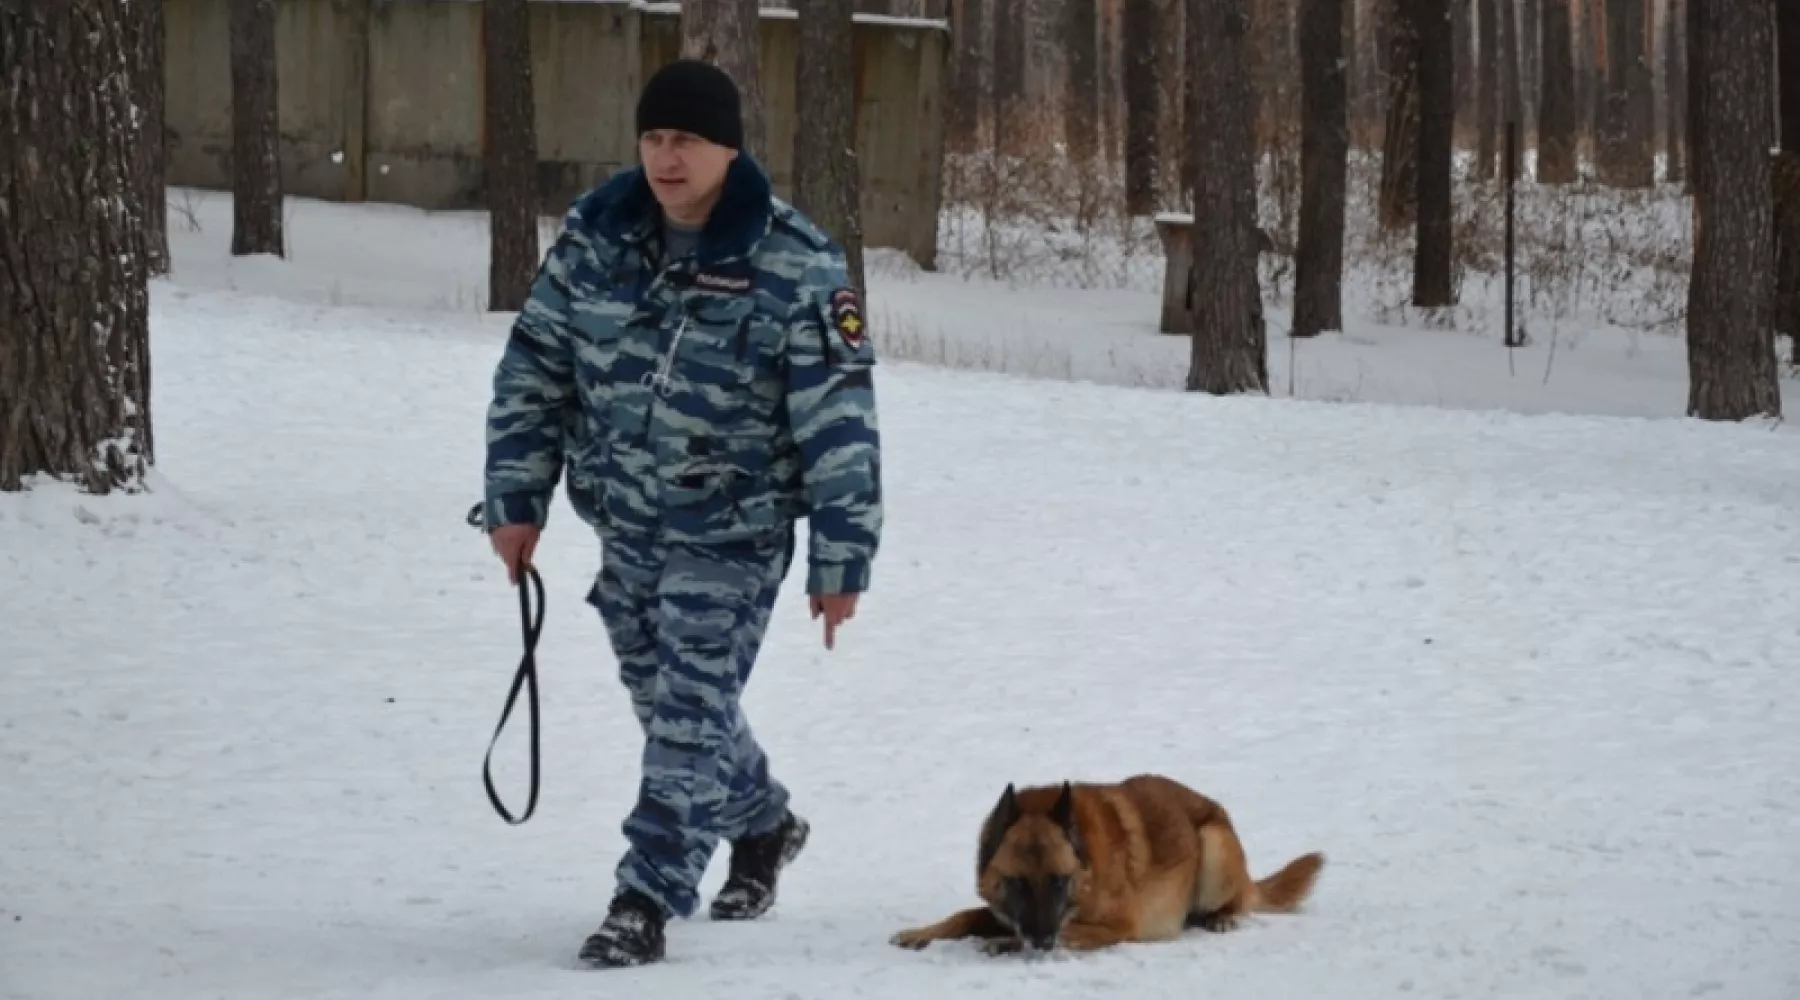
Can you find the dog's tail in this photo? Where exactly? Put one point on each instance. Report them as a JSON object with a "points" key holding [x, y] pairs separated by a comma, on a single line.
{"points": [[1284, 891]]}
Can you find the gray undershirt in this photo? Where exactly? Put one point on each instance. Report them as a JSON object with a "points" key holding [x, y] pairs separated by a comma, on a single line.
{"points": [[678, 240]]}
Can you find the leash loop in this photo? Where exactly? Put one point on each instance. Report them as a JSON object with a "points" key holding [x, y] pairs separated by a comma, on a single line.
{"points": [[530, 626]]}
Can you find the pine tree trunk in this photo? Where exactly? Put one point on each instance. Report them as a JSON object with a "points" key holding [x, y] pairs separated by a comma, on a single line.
{"points": [[1624, 158], [1082, 40], [1324, 152], [1487, 110], [1143, 97], [1557, 136], [74, 293], [1437, 117], [1730, 322], [1695, 27], [511, 155], [827, 178], [256, 191], [1510, 109], [1531, 59], [1675, 90], [1398, 204], [1787, 26], [1230, 352], [148, 45], [726, 34], [963, 100], [1462, 27], [1009, 77]]}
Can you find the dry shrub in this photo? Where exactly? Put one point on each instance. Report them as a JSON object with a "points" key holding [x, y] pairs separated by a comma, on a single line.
{"points": [[1585, 253], [1031, 215]]}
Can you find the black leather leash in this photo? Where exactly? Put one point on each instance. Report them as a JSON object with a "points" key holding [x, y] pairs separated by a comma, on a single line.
{"points": [[526, 677]]}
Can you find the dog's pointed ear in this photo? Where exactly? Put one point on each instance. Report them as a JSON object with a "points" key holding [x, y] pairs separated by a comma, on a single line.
{"points": [[1063, 815], [1063, 812], [1005, 813]]}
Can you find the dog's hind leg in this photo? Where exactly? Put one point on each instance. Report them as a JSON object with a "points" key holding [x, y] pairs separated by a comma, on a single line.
{"points": [[1223, 888]]}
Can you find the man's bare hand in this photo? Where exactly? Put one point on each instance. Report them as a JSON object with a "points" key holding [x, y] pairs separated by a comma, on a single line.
{"points": [[514, 544], [837, 609]]}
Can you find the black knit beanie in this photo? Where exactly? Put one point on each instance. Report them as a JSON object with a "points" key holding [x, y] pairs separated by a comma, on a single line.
{"points": [[689, 95]]}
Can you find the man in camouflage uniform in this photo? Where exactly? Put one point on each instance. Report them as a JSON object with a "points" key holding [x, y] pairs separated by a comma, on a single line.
{"points": [[693, 361]]}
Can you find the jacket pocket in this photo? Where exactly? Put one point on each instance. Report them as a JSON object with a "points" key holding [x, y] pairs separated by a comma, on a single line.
{"points": [[719, 488]]}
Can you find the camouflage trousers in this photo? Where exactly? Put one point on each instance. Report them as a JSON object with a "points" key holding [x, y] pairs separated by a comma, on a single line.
{"points": [[686, 622]]}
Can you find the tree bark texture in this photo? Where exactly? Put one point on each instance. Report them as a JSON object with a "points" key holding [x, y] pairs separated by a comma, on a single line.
{"points": [[1730, 322], [1487, 86], [1081, 124], [1675, 90], [1787, 27], [1510, 105], [964, 99], [1531, 60], [1143, 99], [1557, 136], [827, 178], [1398, 201], [511, 155], [74, 293], [1437, 119], [1324, 152], [1627, 123], [1462, 26], [1009, 77], [726, 34], [256, 191], [1695, 26], [1230, 352], [148, 48]]}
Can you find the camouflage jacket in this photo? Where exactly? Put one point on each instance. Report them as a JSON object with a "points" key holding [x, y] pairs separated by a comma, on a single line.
{"points": [[706, 399]]}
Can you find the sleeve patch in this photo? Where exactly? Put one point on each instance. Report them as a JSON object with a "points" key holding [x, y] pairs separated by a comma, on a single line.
{"points": [[847, 319]]}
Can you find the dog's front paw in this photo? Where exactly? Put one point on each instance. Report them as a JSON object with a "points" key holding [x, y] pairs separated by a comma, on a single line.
{"points": [[1001, 946], [1223, 922], [913, 939]]}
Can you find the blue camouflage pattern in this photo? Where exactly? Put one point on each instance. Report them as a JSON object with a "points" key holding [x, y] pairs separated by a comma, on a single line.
{"points": [[694, 410], [711, 400], [686, 622]]}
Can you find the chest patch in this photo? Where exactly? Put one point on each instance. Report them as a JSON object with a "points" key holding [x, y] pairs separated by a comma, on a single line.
{"points": [[723, 281]]}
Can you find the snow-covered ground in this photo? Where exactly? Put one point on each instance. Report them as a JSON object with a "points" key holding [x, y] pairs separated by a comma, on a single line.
{"points": [[1528, 681]]}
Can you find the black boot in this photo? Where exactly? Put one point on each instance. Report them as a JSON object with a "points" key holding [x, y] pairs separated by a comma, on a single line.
{"points": [[756, 862], [632, 933]]}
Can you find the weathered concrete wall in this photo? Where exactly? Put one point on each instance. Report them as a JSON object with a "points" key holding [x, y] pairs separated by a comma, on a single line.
{"points": [[382, 100]]}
